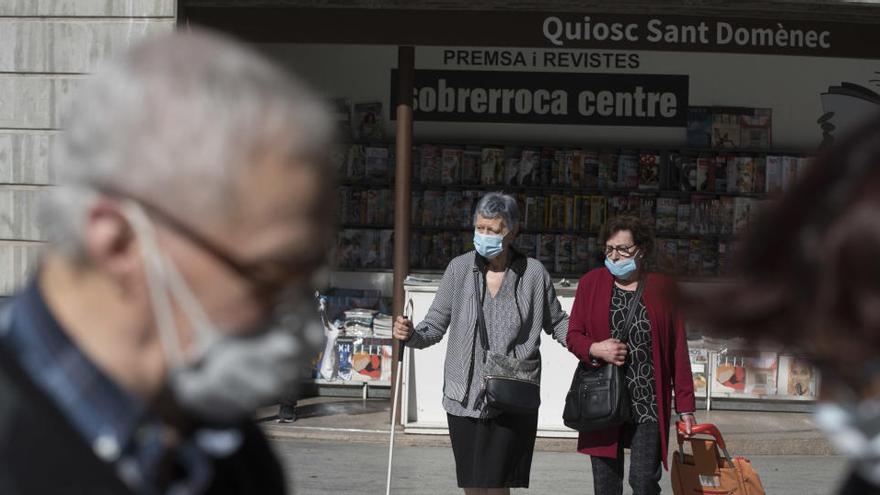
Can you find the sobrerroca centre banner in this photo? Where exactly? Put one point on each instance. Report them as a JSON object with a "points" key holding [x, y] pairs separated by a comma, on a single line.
{"points": [[548, 98]]}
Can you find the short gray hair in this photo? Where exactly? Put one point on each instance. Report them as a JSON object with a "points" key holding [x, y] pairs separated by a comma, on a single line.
{"points": [[178, 120], [494, 205]]}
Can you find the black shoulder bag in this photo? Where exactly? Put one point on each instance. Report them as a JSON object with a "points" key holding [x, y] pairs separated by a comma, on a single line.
{"points": [[598, 397], [510, 385]]}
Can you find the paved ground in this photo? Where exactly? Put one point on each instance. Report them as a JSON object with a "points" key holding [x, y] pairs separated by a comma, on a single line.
{"points": [[333, 467]]}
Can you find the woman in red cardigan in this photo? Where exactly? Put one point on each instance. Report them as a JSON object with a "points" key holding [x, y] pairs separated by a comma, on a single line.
{"points": [[653, 349]]}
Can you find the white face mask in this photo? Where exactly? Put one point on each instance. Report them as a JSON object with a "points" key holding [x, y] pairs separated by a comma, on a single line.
{"points": [[227, 377], [855, 431]]}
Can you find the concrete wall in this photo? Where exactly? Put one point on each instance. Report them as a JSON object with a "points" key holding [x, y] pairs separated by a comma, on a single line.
{"points": [[46, 48]]}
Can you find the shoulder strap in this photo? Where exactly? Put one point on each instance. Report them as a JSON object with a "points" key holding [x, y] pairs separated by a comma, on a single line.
{"points": [[631, 310], [481, 322]]}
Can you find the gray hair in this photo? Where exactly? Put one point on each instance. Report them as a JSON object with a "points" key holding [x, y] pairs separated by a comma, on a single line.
{"points": [[494, 205], [178, 120]]}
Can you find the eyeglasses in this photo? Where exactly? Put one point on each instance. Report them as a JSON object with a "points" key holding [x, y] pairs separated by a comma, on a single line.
{"points": [[269, 278], [624, 251]]}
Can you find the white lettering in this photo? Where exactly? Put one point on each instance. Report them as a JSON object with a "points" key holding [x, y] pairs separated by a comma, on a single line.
{"points": [[553, 30]]}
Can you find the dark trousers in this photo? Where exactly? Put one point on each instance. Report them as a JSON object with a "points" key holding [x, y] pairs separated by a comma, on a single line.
{"points": [[645, 469]]}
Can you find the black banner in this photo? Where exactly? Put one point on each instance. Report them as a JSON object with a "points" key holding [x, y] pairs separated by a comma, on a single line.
{"points": [[547, 98], [681, 33]]}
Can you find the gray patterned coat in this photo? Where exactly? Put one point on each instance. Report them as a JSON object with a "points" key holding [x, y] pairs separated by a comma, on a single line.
{"points": [[455, 308]]}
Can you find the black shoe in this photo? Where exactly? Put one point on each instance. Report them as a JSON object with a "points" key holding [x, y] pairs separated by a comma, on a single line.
{"points": [[286, 413]]}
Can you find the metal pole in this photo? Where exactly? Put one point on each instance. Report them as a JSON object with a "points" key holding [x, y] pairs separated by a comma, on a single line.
{"points": [[402, 195]]}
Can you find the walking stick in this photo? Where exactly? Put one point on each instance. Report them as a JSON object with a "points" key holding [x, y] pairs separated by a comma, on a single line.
{"points": [[407, 313]]}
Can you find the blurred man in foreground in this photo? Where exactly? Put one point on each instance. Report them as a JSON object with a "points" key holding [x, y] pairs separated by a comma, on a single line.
{"points": [[190, 221]]}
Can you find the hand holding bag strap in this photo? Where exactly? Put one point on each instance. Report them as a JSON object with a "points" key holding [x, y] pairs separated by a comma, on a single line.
{"points": [[631, 310], [481, 322]]}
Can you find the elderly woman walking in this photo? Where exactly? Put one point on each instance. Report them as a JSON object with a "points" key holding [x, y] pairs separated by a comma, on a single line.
{"points": [[492, 449], [650, 344]]}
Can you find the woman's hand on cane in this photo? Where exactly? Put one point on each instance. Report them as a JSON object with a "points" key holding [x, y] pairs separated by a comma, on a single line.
{"points": [[403, 328]]}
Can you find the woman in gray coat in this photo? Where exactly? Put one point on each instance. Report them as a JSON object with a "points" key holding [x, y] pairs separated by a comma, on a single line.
{"points": [[493, 451]]}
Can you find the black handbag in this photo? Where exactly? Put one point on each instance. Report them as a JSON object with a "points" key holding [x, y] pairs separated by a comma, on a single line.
{"points": [[510, 385], [598, 397]]}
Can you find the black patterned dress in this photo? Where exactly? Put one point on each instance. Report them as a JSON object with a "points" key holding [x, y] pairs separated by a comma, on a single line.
{"points": [[640, 359]]}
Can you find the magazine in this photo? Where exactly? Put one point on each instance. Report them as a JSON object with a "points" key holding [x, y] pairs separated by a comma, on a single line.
{"points": [[430, 164], [628, 169], [774, 175], [470, 165], [529, 168], [699, 127], [492, 166], [590, 178], [376, 162], [367, 122], [649, 171], [451, 168], [756, 128]]}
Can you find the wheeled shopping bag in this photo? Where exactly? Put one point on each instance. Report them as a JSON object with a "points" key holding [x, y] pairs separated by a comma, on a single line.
{"points": [[709, 468]]}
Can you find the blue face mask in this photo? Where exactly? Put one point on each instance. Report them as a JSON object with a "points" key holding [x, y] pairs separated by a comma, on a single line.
{"points": [[489, 246], [621, 269]]}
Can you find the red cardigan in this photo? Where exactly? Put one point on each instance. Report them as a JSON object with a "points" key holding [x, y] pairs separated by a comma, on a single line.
{"points": [[589, 323]]}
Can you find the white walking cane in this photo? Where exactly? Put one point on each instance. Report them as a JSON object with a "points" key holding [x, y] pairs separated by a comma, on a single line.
{"points": [[408, 314]]}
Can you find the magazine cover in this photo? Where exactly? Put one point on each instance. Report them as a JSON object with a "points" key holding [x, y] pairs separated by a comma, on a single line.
{"points": [[492, 166], [376, 159], [371, 251], [576, 165], [356, 162], [597, 213], [561, 168], [570, 214], [547, 250], [430, 164], [726, 215], [760, 175], [432, 208], [720, 175], [557, 211], [667, 252], [470, 165], [348, 248], [681, 262], [730, 376], [687, 173], [699, 127], [649, 171], [742, 214], [709, 257], [368, 121], [646, 209], [705, 170], [512, 157], [451, 169], [583, 253], [529, 168], [628, 170], [564, 249], [683, 217], [761, 371], [607, 175], [590, 177], [451, 208], [756, 128], [548, 158], [527, 244], [725, 130], [386, 243], [376, 205], [582, 213], [667, 211], [797, 378], [699, 369], [745, 174], [695, 257]]}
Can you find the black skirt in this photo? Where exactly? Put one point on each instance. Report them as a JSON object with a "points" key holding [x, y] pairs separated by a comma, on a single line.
{"points": [[493, 453]]}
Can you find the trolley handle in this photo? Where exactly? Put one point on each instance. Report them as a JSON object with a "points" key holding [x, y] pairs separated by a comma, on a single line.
{"points": [[702, 429]]}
